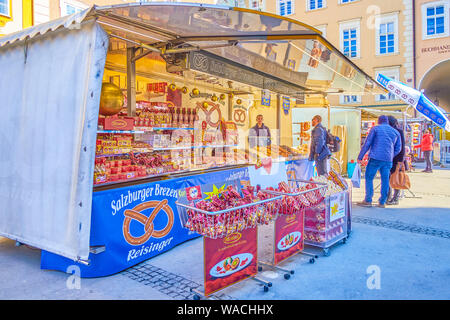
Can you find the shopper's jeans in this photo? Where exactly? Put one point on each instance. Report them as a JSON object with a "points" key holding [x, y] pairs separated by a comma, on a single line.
{"points": [[427, 155], [371, 170], [321, 166]]}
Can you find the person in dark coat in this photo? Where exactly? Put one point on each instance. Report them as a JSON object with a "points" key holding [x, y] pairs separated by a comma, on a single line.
{"points": [[399, 158], [319, 152]]}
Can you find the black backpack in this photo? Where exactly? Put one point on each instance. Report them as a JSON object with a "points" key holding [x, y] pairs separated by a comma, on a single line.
{"points": [[333, 142]]}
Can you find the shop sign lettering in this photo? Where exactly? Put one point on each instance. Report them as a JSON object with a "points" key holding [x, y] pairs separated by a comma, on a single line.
{"points": [[438, 49]]}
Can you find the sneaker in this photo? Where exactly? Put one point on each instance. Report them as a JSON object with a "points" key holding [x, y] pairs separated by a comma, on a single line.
{"points": [[381, 205], [392, 202], [364, 204]]}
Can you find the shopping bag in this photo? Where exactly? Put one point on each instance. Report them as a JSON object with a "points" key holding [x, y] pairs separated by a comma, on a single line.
{"points": [[399, 179], [356, 176]]}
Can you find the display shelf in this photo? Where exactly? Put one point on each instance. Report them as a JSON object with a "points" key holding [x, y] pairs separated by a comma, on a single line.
{"points": [[124, 153], [168, 174], [326, 243], [195, 147], [142, 130], [165, 149], [323, 230], [120, 131]]}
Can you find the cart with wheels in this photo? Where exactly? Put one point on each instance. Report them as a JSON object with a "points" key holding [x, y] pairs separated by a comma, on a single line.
{"points": [[230, 252], [297, 195], [326, 223]]}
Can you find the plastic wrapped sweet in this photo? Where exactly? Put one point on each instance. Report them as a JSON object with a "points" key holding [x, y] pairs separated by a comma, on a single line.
{"points": [[294, 200], [230, 221], [332, 187]]}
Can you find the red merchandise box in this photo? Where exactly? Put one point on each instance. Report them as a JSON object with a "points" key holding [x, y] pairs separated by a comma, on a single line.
{"points": [[119, 123]]}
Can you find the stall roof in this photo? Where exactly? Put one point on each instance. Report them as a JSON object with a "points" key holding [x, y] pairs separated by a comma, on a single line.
{"points": [[373, 113], [292, 51]]}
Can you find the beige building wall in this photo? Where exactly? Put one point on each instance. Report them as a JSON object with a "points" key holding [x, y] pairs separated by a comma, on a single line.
{"points": [[366, 14]]}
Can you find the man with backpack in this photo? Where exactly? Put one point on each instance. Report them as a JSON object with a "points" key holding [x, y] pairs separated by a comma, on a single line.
{"points": [[319, 151]]}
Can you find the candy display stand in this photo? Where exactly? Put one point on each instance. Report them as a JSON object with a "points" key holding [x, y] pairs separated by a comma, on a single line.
{"points": [[326, 223], [288, 227], [230, 252]]}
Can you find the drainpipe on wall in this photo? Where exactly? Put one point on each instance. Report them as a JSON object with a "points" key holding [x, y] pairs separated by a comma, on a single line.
{"points": [[414, 49]]}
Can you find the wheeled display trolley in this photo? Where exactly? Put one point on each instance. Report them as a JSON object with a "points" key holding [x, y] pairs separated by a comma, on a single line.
{"points": [[230, 252], [288, 228], [326, 223]]}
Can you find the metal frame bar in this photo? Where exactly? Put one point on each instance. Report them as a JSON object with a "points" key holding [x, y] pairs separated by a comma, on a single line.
{"points": [[227, 210]]}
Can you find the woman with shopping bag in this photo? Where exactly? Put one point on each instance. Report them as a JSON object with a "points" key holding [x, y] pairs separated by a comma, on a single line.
{"points": [[398, 159]]}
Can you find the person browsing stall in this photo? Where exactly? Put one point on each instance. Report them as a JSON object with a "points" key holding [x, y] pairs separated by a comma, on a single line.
{"points": [[259, 134], [427, 148], [383, 143], [399, 158], [319, 152]]}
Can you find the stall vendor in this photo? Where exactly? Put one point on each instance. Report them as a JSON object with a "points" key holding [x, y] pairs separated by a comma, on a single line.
{"points": [[259, 135]]}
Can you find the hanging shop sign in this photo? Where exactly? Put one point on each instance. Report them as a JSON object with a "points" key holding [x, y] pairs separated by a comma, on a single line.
{"points": [[223, 68], [286, 105], [157, 87], [252, 60], [239, 115], [265, 98]]}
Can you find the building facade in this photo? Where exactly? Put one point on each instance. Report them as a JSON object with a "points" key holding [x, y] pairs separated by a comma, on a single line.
{"points": [[407, 40], [16, 15], [432, 38], [378, 37]]}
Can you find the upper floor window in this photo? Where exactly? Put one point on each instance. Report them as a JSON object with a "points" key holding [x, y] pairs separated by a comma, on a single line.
{"points": [[394, 74], [256, 4], [71, 6], [349, 99], [349, 38], [316, 4], [285, 7], [435, 20], [4, 8], [250, 4], [387, 34]]}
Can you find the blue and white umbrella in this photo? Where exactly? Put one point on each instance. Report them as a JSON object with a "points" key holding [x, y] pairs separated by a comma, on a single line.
{"points": [[416, 99]]}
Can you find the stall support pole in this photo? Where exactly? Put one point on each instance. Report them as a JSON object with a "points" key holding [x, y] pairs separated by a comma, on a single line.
{"points": [[131, 82], [230, 108], [329, 116], [278, 119]]}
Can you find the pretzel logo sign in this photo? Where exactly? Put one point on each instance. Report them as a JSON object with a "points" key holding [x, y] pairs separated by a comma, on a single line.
{"points": [[239, 115], [149, 228], [212, 116]]}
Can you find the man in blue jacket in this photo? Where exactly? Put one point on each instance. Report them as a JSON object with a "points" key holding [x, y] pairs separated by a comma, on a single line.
{"points": [[319, 151], [383, 143]]}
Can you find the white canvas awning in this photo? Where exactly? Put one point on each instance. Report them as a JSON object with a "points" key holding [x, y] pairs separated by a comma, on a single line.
{"points": [[50, 88]]}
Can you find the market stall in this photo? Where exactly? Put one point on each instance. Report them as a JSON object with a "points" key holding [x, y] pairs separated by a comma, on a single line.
{"points": [[343, 122], [125, 107]]}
